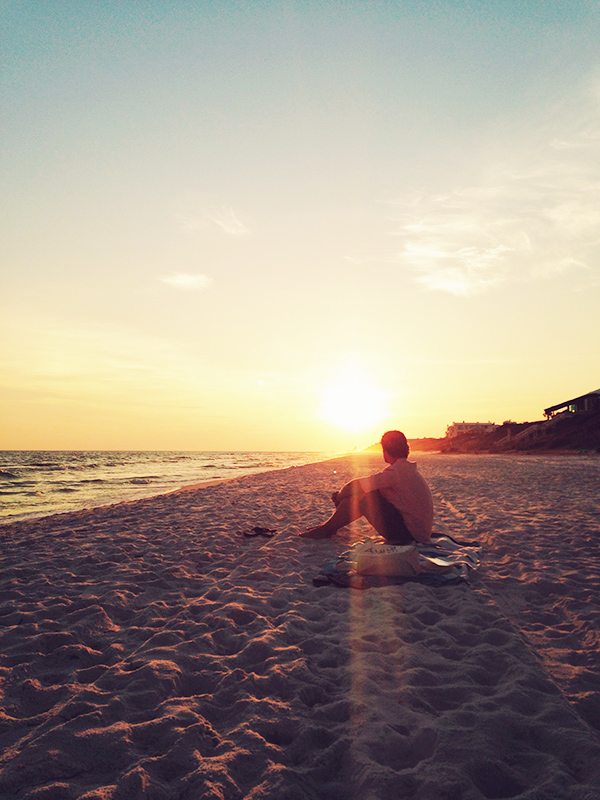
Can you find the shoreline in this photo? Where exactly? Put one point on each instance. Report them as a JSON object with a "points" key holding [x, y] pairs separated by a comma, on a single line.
{"points": [[148, 648], [368, 453], [185, 488], [33, 516], [34, 484]]}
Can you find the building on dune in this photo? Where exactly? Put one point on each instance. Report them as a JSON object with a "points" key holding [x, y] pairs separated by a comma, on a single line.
{"points": [[578, 405], [459, 428], [570, 423]]}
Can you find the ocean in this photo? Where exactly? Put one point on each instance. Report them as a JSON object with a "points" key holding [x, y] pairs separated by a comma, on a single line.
{"points": [[35, 483]]}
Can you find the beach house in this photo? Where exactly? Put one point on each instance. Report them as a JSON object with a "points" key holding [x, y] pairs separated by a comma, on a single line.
{"points": [[578, 405], [458, 428], [556, 416]]}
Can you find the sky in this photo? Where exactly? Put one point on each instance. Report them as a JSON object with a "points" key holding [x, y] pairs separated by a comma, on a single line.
{"points": [[294, 225]]}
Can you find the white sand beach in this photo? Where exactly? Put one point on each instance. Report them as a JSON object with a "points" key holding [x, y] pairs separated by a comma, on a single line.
{"points": [[150, 650]]}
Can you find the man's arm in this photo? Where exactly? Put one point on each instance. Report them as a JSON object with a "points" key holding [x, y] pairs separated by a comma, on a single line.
{"points": [[360, 486], [352, 488]]}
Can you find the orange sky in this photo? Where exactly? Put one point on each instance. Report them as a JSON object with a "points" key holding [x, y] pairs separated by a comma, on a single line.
{"points": [[290, 227]]}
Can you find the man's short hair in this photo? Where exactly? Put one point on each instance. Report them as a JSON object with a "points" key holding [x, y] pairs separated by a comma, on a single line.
{"points": [[394, 443]]}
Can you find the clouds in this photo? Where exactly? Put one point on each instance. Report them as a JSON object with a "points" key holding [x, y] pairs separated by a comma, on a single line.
{"points": [[520, 228], [226, 219], [534, 215], [204, 216], [184, 281]]}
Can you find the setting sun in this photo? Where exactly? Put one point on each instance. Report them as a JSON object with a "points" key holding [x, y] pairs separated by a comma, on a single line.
{"points": [[352, 401]]}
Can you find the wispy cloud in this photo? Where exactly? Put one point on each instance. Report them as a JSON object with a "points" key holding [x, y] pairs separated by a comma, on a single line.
{"points": [[197, 215], [227, 220], [181, 280], [534, 217]]}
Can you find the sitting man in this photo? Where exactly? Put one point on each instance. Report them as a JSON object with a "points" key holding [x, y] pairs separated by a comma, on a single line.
{"points": [[397, 502]]}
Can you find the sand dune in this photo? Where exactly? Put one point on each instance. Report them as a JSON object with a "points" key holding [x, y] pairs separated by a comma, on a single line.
{"points": [[150, 650]]}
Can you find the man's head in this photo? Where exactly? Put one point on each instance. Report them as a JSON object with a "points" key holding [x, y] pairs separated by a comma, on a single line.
{"points": [[394, 444]]}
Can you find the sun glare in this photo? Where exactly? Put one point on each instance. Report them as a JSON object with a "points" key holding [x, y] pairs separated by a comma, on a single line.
{"points": [[353, 402]]}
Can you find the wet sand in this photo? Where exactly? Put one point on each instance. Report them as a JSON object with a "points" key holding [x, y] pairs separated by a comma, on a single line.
{"points": [[150, 650]]}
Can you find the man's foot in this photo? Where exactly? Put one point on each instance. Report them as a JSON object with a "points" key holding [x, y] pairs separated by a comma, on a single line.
{"points": [[318, 532]]}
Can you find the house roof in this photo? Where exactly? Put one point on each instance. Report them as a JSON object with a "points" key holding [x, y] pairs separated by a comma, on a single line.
{"points": [[570, 402]]}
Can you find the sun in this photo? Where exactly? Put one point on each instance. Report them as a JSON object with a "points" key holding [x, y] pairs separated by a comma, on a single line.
{"points": [[352, 401]]}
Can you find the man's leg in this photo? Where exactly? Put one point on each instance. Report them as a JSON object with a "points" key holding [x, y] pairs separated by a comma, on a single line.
{"points": [[346, 511], [385, 518]]}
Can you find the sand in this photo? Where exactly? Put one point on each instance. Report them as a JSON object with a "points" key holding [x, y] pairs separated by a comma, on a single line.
{"points": [[149, 650]]}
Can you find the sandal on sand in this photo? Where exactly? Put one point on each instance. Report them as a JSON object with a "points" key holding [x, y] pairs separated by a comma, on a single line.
{"points": [[258, 531], [315, 534]]}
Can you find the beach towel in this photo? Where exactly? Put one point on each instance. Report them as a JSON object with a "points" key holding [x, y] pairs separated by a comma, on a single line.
{"points": [[372, 562]]}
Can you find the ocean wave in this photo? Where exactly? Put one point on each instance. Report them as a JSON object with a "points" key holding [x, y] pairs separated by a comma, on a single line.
{"points": [[48, 482]]}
